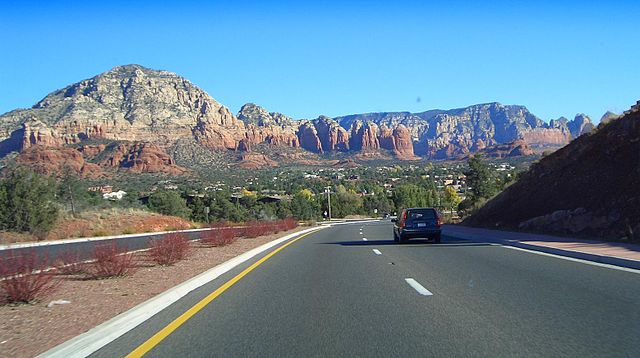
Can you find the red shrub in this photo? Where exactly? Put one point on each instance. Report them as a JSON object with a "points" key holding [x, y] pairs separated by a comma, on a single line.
{"points": [[220, 237], [69, 263], [169, 249], [290, 223], [25, 278], [256, 228], [239, 231], [110, 261]]}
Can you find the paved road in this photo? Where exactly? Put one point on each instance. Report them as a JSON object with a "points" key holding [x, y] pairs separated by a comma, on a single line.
{"points": [[330, 294]]}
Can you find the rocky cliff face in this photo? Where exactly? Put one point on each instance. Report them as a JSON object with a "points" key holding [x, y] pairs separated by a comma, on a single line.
{"points": [[517, 148], [136, 104]]}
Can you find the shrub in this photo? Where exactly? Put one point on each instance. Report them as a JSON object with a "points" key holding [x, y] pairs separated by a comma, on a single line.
{"points": [[220, 237], [25, 278], [100, 233], [255, 228], [169, 249], [69, 263], [110, 261]]}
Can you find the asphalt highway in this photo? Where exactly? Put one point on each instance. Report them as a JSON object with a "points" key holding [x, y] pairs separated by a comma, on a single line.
{"points": [[333, 293]]}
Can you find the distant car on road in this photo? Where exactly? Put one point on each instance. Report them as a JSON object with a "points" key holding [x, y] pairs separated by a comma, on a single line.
{"points": [[417, 223]]}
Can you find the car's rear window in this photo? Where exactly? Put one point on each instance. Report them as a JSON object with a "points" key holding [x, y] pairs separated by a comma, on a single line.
{"points": [[421, 214]]}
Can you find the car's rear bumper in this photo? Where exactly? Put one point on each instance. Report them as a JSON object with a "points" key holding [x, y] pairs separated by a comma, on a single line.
{"points": [[421, 232]]}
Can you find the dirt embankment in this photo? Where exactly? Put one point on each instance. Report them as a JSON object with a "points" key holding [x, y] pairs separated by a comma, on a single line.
{"points": [[590, 188]]}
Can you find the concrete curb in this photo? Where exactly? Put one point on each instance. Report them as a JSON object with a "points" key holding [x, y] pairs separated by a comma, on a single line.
{"points": [[103, 334], [609, 260]]}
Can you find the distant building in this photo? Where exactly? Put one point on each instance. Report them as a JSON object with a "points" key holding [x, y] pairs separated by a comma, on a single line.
{"points": [[118, 195], [104, 189]]}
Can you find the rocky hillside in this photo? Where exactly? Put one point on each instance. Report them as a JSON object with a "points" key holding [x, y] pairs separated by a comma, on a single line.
{"points": [[453, 133], [159, 110], [590, 187]]}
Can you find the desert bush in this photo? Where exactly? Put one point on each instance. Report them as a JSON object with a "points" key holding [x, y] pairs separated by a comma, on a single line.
{"points": [[219, 237], [254, 229], [169, 249], [69, 263], [25, 278], [110, 261]]}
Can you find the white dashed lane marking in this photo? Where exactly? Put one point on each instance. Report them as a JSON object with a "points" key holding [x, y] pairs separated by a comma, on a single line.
{"points": [[418, 287]]}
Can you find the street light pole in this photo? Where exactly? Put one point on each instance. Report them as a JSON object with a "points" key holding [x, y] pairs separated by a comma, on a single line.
{"points": [[328, 191]]}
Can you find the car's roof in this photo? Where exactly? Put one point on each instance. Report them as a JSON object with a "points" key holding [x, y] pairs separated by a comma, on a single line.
{"points": [[420, 209]]}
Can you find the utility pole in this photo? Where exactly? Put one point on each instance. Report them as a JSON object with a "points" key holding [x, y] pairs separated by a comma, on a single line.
{"points": [[328, 191]]}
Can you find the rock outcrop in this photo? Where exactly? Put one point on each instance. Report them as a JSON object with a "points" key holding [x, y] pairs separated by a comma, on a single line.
{"points": [[149, 158], [141, 157], [364, 136], [58, 161], [309, 139], [254, 114], [518, 148]]}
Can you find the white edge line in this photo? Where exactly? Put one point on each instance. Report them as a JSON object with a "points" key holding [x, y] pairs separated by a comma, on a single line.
{"points": [[377, 252], [593, 263], [418, 287], [105, 333]]}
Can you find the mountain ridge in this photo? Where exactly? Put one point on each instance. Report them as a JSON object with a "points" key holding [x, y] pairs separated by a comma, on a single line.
{"points": [[133, 103]]}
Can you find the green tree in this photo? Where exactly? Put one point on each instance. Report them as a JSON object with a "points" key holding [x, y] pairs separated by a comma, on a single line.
{"points": [[169, 203], [72, 194], [304, 207], [411, 196], [379, 202], [345, 202], [283, 210], [198, 210], [451, 197], [480, 180], [27, 201]]}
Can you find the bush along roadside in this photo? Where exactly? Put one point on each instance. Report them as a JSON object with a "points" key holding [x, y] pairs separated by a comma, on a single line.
{"points": [[26, 278], [29, 277]]}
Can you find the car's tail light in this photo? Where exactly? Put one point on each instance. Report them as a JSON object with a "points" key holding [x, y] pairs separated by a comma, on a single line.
{"points": [[403, 222], [439, 221]]}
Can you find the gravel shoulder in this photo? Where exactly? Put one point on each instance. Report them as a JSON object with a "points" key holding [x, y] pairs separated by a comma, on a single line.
{"points": [[29, 329]]}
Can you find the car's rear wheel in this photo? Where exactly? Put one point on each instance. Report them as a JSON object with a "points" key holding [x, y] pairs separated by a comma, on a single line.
{"points": [[437, 238], [402, 239]]}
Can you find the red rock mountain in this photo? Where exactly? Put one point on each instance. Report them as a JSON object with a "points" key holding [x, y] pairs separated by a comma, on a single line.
{"points": [[151, 113]]}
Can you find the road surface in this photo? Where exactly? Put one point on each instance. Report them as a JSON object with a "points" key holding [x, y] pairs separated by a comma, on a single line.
{"points": [[333, 293]]}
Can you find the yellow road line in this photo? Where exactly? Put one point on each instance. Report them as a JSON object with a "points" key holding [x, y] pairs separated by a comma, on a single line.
{"points": [[166, 331]]}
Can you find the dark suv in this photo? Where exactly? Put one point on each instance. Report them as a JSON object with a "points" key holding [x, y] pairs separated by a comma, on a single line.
{"points": [[417, 222]]}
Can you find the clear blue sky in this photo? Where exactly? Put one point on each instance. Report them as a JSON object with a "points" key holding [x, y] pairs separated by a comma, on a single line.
{"points": [[338, 57]]}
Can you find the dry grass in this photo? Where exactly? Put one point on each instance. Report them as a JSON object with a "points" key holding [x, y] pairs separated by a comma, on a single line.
{"points": [[114, 221]]}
